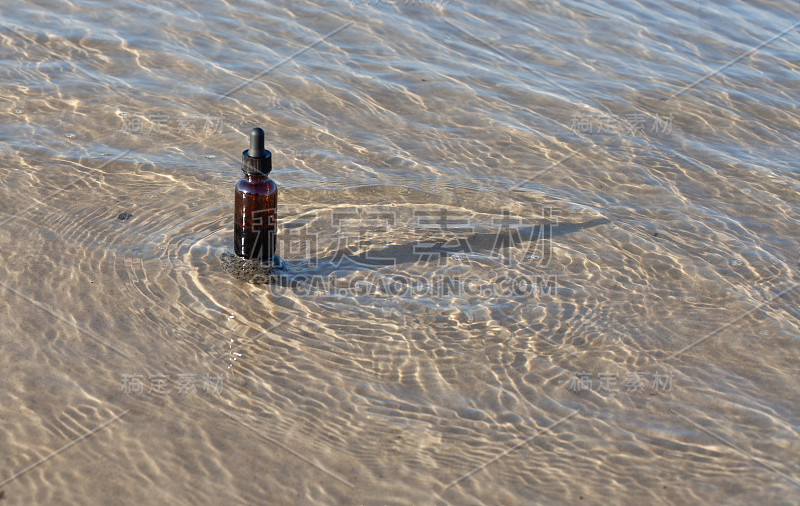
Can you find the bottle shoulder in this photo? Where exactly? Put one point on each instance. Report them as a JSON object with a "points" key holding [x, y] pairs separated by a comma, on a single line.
{"points": [[262, 186]]}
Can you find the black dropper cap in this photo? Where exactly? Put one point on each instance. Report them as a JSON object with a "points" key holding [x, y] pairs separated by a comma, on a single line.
{"points": [[256, 160]]}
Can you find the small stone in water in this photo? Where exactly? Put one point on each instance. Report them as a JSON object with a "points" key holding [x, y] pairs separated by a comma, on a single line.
{"points": [[124, 216]]}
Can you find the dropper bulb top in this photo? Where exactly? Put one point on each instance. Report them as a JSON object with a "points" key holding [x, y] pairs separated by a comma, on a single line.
{"points": [[256, 144]]}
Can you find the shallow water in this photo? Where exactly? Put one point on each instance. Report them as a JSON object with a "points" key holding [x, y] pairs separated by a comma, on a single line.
{"points": [[534, 253]]}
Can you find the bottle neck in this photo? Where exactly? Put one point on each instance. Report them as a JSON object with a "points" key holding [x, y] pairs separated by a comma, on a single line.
{"points": [[255, 177]]}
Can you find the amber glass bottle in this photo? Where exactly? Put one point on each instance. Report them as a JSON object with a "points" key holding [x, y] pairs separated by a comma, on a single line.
{"points": [[255, 216]]}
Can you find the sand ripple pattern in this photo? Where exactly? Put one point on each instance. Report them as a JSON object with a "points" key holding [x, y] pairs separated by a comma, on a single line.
{"points": [[523, 261]]}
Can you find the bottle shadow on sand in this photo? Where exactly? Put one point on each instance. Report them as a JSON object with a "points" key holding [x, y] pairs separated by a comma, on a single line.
{"points": [[343, 260]]}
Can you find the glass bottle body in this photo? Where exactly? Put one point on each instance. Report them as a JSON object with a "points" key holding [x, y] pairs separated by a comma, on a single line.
{"points": [[255, 217]]}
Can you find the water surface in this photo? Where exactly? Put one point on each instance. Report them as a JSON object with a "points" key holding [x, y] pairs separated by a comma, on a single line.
{"points": [[535, 253]]}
